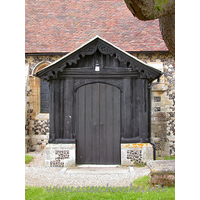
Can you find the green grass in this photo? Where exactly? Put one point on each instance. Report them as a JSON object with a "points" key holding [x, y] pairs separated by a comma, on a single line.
{"points": [[143, 191], [136, 164], [28, 159], [169, 157], [166, 158]]}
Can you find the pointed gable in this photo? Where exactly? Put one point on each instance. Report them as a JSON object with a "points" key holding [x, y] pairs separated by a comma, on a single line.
{"points": [[99, 57]]}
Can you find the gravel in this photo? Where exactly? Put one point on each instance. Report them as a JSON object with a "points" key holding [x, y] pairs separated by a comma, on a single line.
{"points": [[36, 174]]}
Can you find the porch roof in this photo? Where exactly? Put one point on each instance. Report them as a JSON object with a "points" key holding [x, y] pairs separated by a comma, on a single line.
{"points": [[105, 48]]}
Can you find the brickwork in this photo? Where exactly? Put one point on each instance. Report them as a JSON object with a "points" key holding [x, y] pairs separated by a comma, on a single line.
{"points": [[162, 179]]}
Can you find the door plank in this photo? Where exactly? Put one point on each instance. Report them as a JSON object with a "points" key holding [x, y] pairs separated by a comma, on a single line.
{"points": [[98, 124]]}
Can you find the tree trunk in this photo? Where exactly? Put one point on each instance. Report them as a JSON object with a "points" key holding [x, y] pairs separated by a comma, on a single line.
{"points": [[164, 10], [167, 28], [151, 9]]}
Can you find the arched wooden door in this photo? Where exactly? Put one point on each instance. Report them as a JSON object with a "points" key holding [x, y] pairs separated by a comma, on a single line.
{"points": [[98, 124]]}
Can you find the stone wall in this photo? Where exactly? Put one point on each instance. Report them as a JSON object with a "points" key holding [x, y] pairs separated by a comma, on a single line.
{"points": [[37, 125], [27, 109], [163, 104], [33, 61]]}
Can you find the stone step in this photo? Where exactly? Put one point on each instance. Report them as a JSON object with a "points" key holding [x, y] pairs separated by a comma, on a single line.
{"points": [[162, 172]]}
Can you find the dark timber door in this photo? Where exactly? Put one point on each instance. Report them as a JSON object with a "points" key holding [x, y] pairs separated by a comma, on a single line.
{"points": [[98, 124]]}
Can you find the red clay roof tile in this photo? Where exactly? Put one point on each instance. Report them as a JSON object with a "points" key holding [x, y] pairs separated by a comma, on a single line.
{"points": [[64, 25]]}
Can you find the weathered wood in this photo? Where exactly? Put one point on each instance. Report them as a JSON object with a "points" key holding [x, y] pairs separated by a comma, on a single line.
{"points": [[61, 104], [117, 125], [98, 137], [103, 124], [127, 108], [44, 96], [99, 109], [95, 105], [137, 108], [51, 112], [68, 109], [57, 108], [66, 141]]}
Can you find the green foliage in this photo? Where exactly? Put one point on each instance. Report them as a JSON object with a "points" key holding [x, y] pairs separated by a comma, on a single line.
{"points": [[158, 7], [28, 159], [143, 191]]}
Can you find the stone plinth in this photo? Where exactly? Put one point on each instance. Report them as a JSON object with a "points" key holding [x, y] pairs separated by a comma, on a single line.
{"points": [[136, 152], [60, 155], [162, 172]]}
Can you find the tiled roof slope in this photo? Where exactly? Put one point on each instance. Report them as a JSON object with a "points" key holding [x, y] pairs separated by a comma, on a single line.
{"points": [[64, 25]]}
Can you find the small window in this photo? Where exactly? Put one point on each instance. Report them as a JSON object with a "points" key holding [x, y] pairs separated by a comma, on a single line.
{"points": [[40, 89], [44, 96]]}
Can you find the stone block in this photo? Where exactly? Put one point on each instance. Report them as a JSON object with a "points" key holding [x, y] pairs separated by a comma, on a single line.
{"points": [[49, 154], [162, 172], [136, 152], [60, 155], [147, 153]]}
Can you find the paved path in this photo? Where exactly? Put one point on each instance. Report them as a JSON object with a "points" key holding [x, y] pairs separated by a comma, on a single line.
{"points": [[36, 174]]}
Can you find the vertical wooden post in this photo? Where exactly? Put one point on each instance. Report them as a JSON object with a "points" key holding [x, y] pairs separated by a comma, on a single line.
{"points": [[68, 101], [127, 108], [51, 112]]}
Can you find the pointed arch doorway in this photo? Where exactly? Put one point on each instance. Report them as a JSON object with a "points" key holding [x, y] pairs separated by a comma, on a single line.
{"points": [[98, 124]]}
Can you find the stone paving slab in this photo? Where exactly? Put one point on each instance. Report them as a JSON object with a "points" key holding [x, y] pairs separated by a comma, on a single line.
{"points": [[37, 174], [98, 170], [52, 176]]}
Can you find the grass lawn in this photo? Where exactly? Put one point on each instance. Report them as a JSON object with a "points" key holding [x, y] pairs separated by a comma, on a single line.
{"points": [[28, 159], [166, 158], [143, 191]]}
